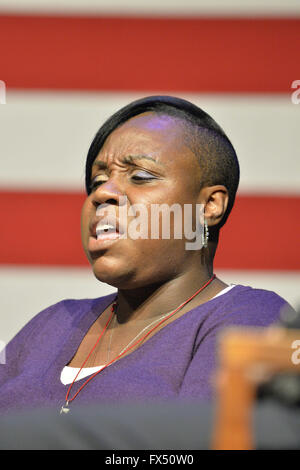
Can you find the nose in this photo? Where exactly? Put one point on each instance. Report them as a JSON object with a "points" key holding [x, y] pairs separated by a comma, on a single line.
{"points": [[108, 193]]}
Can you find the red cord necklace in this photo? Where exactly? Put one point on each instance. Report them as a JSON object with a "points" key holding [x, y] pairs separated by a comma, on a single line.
{"points": [[65, 408]]}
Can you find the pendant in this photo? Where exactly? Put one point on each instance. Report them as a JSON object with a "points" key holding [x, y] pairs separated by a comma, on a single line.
{"points": [[65, 408]]}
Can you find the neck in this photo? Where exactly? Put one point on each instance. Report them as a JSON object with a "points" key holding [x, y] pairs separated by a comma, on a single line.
{"points": [[154, 300]]}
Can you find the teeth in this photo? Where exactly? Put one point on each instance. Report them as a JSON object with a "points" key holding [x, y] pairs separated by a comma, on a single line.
{"points": [[104, 228]]}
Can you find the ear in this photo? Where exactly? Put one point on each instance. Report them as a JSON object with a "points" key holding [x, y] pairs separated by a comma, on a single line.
{"points": [[215, 200]]}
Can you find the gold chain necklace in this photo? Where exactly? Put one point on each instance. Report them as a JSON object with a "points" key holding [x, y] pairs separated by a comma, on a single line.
{"points": [[142, 331]]}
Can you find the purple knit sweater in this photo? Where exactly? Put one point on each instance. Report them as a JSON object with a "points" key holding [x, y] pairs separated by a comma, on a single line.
{"points": [[176, 363]]}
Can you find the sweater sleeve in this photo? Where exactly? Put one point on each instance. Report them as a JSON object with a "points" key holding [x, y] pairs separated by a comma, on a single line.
{"points": [[261, 309]]}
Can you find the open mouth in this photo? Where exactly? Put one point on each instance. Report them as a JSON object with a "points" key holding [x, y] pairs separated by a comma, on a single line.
{"points": [[106, 231]]}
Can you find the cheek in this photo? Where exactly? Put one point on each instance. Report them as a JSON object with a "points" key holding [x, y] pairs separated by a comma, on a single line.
{"points": [[158, 259], [158, 254]]}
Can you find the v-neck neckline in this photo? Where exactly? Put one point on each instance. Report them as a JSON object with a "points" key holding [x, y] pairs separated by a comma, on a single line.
{"points": [[87, 320]]}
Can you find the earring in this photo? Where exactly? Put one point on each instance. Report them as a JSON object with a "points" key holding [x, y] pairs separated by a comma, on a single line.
{"points": [[205, 235]]}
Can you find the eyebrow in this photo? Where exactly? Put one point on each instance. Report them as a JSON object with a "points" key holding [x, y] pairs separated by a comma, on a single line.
{"points": [[129, 159]]}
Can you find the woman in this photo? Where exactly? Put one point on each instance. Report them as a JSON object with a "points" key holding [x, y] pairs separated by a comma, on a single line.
{"points": [[155, 339]]}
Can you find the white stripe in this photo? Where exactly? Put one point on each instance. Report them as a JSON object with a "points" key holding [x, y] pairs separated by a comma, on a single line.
{"points": [[45, 137], [155, 7], [26, 291]]}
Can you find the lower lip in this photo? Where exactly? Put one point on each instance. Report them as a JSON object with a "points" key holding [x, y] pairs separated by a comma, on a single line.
{"points": [[103, 241]]}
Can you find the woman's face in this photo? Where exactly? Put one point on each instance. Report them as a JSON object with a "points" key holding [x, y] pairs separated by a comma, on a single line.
{"points": [[142, 162]]}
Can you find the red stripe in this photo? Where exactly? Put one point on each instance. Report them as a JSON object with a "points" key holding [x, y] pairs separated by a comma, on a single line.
{"points": [[44, 229], [262, 232], [141, 54]]}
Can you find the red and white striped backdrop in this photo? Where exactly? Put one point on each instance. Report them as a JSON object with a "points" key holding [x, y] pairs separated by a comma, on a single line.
{"points": [[69, 65]]}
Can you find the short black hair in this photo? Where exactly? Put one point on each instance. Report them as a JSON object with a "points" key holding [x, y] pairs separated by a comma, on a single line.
{"points": [[214, 151]]}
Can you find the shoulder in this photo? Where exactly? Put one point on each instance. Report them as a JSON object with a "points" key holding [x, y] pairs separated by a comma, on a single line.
{"points": [[245, 305], [46, 332], [65, 313]]}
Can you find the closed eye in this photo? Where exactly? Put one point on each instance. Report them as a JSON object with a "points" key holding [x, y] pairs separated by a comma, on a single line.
{"points": [[143, 176], [138, 177], [95, 183]]}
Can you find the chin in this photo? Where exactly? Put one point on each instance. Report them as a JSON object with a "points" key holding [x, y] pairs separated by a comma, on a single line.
{"points": [[112, 273]]}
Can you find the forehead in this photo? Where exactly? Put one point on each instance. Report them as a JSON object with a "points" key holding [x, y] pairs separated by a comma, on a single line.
{"points": [[158, 136]]}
